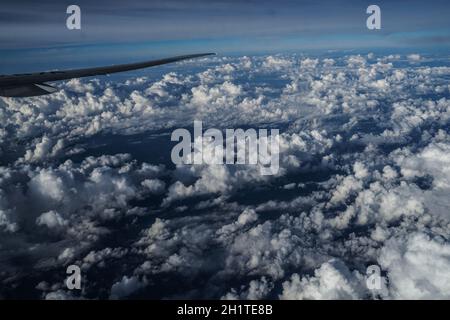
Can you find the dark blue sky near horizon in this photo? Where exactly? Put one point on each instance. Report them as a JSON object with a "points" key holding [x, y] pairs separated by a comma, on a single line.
{"points": [[34, 33]]}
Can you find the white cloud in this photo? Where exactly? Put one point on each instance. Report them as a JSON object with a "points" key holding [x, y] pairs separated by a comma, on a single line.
{"points": [[154, 185], [276, 63], [125, 287], [418, 267], [332, 280], [51, 220]]}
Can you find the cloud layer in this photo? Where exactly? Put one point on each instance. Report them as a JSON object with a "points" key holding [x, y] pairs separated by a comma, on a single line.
{"points": [[86, 179]]}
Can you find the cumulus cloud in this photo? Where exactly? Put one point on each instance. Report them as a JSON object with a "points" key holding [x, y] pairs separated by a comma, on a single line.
{"points": [[332, 280], [414, 57], [276, 63], [125, 287], [51, 219], [418, 266], [256, 290]]}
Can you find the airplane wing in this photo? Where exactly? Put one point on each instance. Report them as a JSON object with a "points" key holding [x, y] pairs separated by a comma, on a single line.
{"points": [[34, 84]]}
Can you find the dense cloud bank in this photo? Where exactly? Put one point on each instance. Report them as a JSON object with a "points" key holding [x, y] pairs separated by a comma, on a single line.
{"points": [[364, 180]]}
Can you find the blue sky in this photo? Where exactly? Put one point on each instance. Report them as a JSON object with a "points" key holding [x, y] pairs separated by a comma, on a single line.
{"points": [[35, 34]]}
